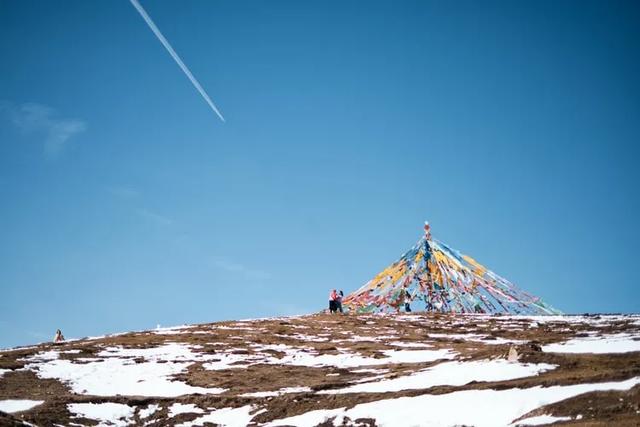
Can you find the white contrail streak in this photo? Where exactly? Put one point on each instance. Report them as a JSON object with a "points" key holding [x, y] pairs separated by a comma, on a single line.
{"points": [[174, 55]]}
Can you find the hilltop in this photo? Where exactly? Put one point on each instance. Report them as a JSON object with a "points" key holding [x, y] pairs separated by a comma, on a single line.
{"points": [[367, 370]]}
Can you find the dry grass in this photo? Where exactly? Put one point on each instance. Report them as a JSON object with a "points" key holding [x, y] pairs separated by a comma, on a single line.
{"points": [[340, 333]]}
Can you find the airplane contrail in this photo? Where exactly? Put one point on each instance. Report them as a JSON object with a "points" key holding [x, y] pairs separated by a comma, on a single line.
{"points": [[174, 55]]}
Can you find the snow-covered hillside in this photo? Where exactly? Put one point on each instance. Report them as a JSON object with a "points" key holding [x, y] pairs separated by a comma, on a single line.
{"points": [[374, 370]]}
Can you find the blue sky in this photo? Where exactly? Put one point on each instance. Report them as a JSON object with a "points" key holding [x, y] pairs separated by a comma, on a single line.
{"points": [[513, 127]]}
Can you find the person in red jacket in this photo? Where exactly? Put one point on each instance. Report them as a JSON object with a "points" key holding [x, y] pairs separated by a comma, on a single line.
{"points": [[58, 338], [333, 301]]}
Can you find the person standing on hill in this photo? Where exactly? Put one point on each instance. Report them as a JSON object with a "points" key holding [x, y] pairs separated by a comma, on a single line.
{"points": [[58, 338], [339, 301], [407, 302], [333, 301], [401, 302]]}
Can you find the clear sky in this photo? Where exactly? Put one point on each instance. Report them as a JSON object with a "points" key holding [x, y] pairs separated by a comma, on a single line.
{"points": [[513, 127]]}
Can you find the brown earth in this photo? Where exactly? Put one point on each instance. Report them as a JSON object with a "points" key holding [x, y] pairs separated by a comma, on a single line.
{"points": [[369, 335]]}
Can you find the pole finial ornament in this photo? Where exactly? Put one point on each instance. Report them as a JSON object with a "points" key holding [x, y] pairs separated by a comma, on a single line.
{"points": [[427, 230]]}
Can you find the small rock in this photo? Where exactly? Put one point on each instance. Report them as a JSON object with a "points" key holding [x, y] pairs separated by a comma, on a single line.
{"points": [[535, 347]]}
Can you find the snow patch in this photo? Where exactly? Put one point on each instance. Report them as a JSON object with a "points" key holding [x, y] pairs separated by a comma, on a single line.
{"points": [[305, 356], [10, 406], [170, 352], [148, 411], [109, 414], [285, 390], [314, 418], [617, 343], [490, 407], [449, 373], [226, 417], [181, 408], [123, 375], [540, 420], [347, 359]]}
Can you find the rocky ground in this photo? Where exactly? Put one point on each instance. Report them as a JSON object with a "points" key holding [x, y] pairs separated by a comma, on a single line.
{"points": [[396, 370]]}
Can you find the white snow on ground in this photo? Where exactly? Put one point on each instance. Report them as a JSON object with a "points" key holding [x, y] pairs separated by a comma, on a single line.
{"points": [[411, 318], [99, 337], [148, 411], [181, 408], [235, 361], [174, 328], [350, 360], [591, 320], [305, 356], [171, 352], [118, 372], [278, 392], [370, 370], [319, 416], [4, 371], [490, 407], [10, 406], [540, 420], [416, 356], [362, 380], [149, 372], [120, 376], [44, 356], [111, 414], [449, 373], [226, 417], [618, 343]]}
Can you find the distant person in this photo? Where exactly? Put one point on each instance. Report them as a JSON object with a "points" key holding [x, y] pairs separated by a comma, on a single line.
{"points": [[407, 303], [333, 301], [403, 296], [428, 305], [58, 337], [339, 301]]}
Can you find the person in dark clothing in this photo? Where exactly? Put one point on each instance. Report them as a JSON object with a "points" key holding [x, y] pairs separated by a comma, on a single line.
{"points": [[333, 301], [339, 302], [407, 302]]}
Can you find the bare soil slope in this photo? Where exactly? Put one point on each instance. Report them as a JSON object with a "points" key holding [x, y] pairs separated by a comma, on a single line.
{"points": [[336, 370]]}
